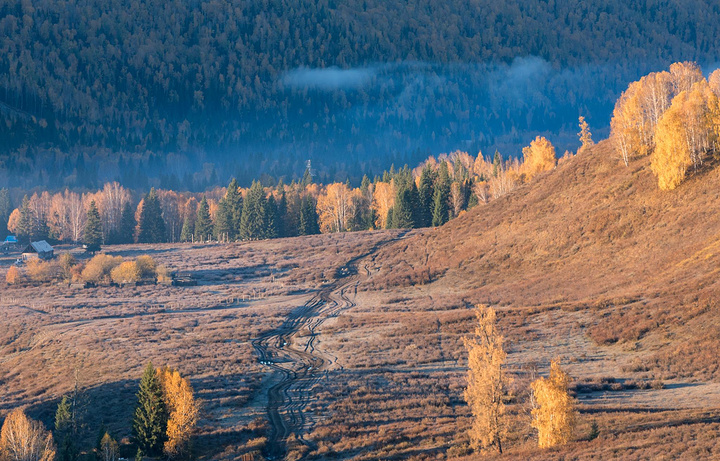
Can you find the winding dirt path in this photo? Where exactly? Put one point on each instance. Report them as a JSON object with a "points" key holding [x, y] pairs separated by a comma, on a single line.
{"points": [[290, 354]]}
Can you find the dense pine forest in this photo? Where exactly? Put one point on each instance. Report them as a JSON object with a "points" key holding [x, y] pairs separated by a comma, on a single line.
{"points": [[189, 94]]}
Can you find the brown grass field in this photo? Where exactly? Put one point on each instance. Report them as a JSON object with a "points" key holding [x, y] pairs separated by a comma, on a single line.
{"points": [[349, 346]]}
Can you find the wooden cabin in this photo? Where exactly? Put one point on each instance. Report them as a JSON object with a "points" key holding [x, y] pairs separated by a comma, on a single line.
{"points": [[41, 249]]}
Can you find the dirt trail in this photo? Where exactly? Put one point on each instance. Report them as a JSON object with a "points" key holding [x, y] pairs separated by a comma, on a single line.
{"points": [[289, 351]]}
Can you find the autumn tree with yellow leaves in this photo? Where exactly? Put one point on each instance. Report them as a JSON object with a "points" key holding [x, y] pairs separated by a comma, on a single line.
{"points": [[183, 412], [554, 416], [539, 156], [585, 135], [685, 135], [486, 381], [23, 439]]}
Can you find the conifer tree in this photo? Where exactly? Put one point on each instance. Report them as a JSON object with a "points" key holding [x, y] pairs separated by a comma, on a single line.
{"points": [[282, 209], [203, 222], [64, 431], [271, 218], [126, 233], [152, 224], [486, 381], [497, 164], [441, 196], [92, 238], [403, 214], [150, 421], [308, 217], [227, 218], [5, 210], [253, 221], [426, 192], [188, 229]]}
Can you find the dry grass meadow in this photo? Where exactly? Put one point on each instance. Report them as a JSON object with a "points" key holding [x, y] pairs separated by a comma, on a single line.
{"points": [[349, 346]]}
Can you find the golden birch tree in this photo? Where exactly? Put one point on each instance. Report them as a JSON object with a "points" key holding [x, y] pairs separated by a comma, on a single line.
{"points": [[685, 135], [382, 201], [183, 412], [554, 415], [486, 381], [539, 156], [23, 439]]}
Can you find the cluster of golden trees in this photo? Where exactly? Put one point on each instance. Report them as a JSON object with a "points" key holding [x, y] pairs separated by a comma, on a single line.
{"points": [[165, 418], [673, 116], [24, 439], [101, 269], [553, 412]]}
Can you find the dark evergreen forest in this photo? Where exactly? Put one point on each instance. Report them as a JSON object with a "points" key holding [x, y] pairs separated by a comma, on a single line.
{"points": [[185, 94]]}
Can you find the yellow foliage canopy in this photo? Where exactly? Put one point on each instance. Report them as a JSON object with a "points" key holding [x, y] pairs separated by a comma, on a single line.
{"points": [[486, 381], [539, 156], [554, 416], [183, 411], [684, 135], [23, 439]]}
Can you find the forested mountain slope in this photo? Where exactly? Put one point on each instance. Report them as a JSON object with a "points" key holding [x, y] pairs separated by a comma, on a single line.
{"points": [[265, 85]]}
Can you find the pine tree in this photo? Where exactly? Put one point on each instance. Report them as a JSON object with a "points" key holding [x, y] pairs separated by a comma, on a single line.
{"points": [[126, 233], [188, 229], [203, 222], [497, 164], [227, 218], [282, 207], [271, 218], [64, 431], [403, 212], [253, 220], [5, 210], [150, 421], [441, 196], [426, 192], [93, 229], [308, 217], [152, 225]]}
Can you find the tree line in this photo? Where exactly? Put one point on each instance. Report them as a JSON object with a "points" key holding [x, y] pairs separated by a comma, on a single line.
{"points": [[434, 192]]}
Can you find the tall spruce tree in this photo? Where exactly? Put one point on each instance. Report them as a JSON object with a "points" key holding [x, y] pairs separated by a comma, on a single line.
{"points": [[309, 224], [152, 224], [227, 218], [441, 196], [271, 218], [92, 237], [151, 415], [282, 208], [403, 212], [203, 222], [126, 233], [253, 222], [5, 210], [425, 197], [188, 229], [64, 433]]}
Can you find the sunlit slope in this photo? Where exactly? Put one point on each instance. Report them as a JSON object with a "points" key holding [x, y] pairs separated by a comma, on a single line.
{"points": [[592, 229]]}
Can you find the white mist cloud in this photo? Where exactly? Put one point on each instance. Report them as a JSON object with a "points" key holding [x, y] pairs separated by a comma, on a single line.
{"points": [[330, 78]]}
